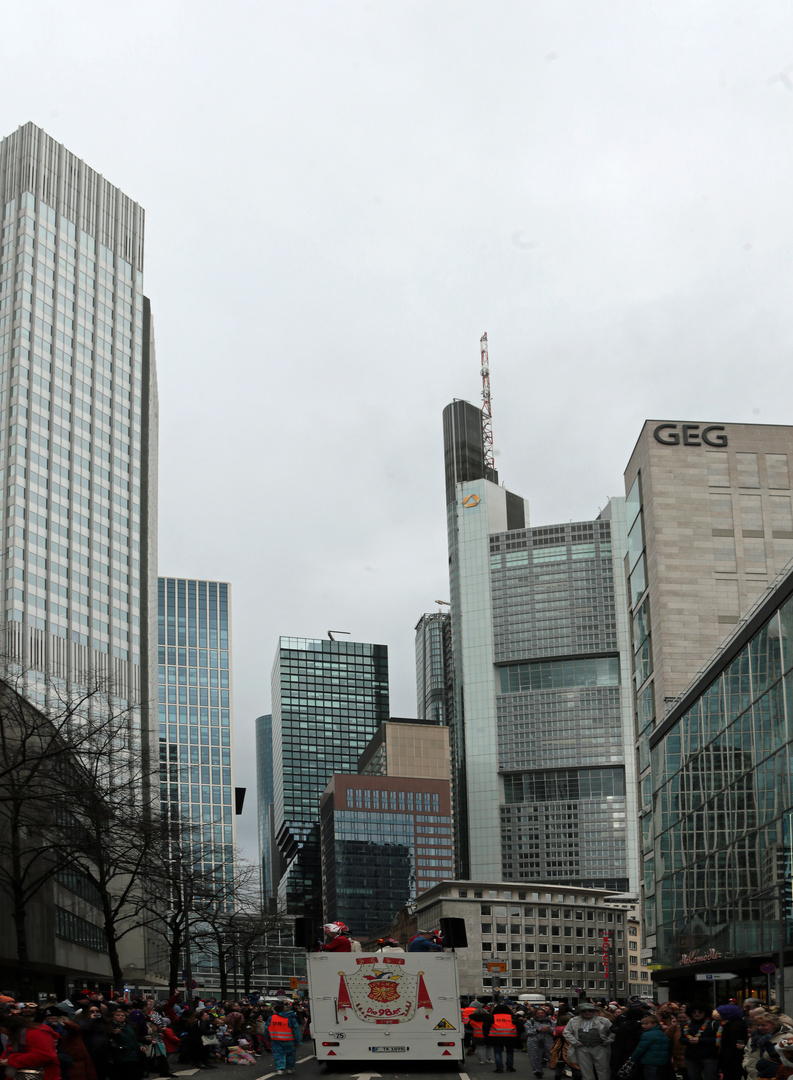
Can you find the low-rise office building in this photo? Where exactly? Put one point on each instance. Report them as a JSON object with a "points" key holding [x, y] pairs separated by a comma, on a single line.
{"points": [[525, 937]]}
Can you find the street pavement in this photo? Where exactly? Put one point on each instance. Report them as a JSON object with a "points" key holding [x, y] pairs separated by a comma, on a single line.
{"points": [[308, 1068]]}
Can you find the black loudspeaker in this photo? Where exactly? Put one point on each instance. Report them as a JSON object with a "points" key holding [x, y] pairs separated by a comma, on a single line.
{"points": [[454, 935], [306, 933]]}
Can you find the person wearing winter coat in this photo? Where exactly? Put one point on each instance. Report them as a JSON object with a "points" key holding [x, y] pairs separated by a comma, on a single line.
{"points": [[731, 1036], [626, 1038], [502, 1030], [670, 1021], [561, 1059], [699, 1038], [589, 1037], [71, 1042], [96, 1030], [653, 1052], [126, 1055], [29, 1046], [338, 937], [771, 1039], [285, 1038], [477, 1021]]}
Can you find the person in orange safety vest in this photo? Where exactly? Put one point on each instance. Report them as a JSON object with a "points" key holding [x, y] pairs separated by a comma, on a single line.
{"points": [[284, 1035], [502, 1030]]}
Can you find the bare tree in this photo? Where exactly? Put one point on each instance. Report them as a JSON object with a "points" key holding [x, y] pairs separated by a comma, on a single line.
{"points": [[116, 852], [236, 925], [181, 891], [52, 756]]}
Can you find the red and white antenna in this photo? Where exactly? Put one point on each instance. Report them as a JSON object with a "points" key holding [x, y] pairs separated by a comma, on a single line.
{"points": [[487, 410]]}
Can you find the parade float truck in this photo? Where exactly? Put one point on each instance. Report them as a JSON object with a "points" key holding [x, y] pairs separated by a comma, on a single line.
{"points": [[385, 1006]]}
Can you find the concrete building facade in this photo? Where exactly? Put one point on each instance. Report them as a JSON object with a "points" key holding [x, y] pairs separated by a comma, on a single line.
{"points": [[710, 523], [525, 937]]}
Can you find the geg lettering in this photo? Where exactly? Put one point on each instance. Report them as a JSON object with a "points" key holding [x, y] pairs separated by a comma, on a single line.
{"points": [[690, 435]]}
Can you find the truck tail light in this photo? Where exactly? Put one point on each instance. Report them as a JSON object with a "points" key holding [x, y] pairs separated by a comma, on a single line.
{"points": [[330, 1044], [447, 1044]]}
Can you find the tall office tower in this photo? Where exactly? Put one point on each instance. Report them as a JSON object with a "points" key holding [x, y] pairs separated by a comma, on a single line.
{"points": [[78, 430], [434, 668], [196, 771], [710, 523], [328, 698], [264, 800], [540, 638]]}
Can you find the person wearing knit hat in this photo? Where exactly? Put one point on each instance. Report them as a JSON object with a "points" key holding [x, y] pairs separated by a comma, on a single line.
{"points": [[731, 1036]]}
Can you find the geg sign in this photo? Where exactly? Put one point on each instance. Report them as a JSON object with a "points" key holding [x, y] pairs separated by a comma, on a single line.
{"points": [[690, 435]]}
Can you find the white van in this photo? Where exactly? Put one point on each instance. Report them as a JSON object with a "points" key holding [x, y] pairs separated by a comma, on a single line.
{"points": [[385, 1006]]}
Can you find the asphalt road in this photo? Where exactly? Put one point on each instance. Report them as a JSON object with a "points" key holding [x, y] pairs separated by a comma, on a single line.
{"points": [[307, 1068]]}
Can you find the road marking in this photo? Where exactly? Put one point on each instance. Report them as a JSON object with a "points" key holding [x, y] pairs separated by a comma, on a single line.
{"points": [[299, 1061], [464, 1076]]}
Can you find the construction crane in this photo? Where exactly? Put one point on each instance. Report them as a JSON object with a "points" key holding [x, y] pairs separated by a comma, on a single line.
{"points": [[487, 411]]}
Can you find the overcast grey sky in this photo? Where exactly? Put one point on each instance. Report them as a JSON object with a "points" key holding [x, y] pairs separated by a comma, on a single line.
{"points": [[340, 198]]}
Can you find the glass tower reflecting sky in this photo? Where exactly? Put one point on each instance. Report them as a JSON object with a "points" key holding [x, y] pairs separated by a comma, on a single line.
{"points": [[329, 698], [434, 668], [78, 425], [196, 776]]}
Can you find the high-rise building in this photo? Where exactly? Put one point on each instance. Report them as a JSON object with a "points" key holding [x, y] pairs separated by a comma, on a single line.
{"points": [[710, 523], [264, 800], [328, 699], [385, 840], [542, 742], [78, 427], [434, 668], [196, 719], [78, 444]]}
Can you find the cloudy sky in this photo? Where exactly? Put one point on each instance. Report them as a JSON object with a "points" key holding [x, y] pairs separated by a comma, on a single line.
{"points": [[342, 196]]}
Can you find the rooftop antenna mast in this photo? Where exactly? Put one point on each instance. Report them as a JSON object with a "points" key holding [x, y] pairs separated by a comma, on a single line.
{"points": [[487, 411]]}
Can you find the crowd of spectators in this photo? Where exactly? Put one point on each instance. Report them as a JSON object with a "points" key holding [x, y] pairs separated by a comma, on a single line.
{"points": [[89, 1037], [636, 1041]]}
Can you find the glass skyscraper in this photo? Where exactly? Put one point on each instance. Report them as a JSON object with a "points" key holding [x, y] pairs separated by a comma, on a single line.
{"points": [[542, 741], [78, 429], [264, 799], [328, 698], [195, 708], [434, 668]]}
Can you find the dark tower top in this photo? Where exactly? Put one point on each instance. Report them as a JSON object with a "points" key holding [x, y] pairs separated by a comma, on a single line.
{"points": [[464, 455], [463, 449]]}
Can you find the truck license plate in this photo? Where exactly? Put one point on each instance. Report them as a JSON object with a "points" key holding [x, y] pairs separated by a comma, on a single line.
{"points": [[389, 1049]]}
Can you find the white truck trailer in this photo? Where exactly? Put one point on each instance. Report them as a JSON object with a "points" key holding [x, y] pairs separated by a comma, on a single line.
{"points": [[385, 1005]]}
